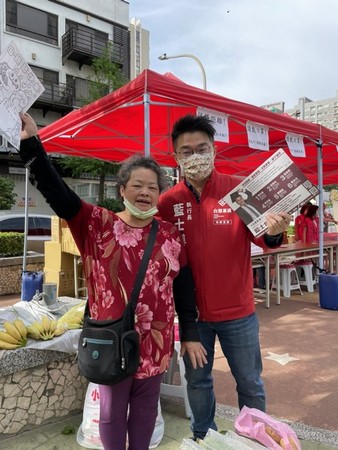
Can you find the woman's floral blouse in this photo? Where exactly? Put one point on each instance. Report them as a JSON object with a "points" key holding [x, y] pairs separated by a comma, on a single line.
{"points": [[111, 251]]}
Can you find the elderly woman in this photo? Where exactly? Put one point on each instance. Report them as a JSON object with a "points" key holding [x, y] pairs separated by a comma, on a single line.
{"points": [[111, 247]]}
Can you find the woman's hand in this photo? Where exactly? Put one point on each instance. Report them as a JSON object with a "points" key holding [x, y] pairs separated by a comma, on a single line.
{"points": [[28, 128], [196, 352], [277, 223]]}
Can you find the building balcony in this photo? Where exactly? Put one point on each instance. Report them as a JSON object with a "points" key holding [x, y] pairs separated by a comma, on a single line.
{"points": [[83, 47], [56, 97]]}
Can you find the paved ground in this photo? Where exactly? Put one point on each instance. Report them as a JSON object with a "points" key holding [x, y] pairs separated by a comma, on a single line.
{"points": [[302, 390]]}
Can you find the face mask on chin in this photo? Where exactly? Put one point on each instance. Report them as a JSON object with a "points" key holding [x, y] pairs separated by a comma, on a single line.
{"points": [[197, 167], [143, 215]]}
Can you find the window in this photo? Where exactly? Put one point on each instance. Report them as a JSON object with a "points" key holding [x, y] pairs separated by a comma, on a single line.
{"points": [[50, 80], [31, 22], [111, 192], [43, 226], [80, 89], [45, 75], [82, 190]]}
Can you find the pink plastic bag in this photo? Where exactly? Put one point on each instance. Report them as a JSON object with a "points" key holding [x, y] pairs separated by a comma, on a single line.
{"points": [[270, 432]]}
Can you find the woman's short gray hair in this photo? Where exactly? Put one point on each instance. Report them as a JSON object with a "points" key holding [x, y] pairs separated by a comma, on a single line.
{"points": [[139, 161]]}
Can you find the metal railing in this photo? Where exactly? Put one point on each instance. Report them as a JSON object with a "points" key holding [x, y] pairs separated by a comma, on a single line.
{"points": [[87, 44], [56, 94]]}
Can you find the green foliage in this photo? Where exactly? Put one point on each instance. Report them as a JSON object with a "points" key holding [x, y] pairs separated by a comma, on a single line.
{"points": [[7, 194], [113, 204], [291, 230], [107, 75], [329, 187], [94, 167], [11, 244]]}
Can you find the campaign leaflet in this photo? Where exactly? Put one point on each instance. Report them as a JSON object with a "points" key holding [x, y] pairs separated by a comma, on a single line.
{"points": [[276, 185], [19, 89]]}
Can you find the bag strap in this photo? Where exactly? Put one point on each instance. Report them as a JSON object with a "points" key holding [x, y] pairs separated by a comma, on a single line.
{"points": [[142, 269], [144, 263]]}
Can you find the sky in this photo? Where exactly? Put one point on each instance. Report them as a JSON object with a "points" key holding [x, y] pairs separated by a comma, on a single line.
{"points": [[254, 51]]}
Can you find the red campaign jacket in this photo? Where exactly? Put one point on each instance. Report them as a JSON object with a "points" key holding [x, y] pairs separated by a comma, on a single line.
{"points": [[218, 246]]}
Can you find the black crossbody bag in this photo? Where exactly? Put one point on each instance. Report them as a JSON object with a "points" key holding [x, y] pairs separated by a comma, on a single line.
{"points": [[109, 350]]}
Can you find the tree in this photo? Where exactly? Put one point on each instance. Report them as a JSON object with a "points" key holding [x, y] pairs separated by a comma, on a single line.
{"points": [[107, 77], [95, 167], [7, 194]]}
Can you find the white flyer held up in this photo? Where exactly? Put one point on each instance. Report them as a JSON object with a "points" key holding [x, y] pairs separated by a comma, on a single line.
{"points": [[276, 185], [19, 88]]}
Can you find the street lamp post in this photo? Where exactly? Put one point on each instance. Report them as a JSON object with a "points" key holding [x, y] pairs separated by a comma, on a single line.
{"points": [[164, 57]]}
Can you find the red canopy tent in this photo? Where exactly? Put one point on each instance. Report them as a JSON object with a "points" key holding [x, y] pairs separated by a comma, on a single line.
{"points": [[139, 116]]}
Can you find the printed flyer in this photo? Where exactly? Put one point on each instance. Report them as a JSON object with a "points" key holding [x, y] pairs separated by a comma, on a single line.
{"points": [[276, 185]]}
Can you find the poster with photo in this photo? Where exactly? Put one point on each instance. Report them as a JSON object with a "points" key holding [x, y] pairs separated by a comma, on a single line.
{"points": [[276, 185]]}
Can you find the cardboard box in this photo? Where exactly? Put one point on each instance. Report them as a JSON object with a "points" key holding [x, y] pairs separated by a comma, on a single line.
{"points": [[68, 244], [64, 280], [56, 259], [57, 224]]}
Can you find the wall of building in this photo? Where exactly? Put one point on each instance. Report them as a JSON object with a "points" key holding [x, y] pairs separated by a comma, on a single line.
{"points": [[324, 111]]}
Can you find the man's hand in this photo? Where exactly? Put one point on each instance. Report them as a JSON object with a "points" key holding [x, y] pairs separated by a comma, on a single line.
{"points": [[196, 352], [28, 128], [277, 223]]}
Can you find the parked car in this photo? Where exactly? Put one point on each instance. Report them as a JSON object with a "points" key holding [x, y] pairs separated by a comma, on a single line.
{"points": [[39, 228]]}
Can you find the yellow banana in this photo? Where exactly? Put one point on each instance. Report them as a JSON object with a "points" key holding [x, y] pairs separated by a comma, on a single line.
{"points": [[35, 330], [8, 346], [60, 329], [38, 327], [4, 336], [20, 326], [72, 326], [32, 333], [76, 311], [12, 330], [45, 324], [53, 325]]}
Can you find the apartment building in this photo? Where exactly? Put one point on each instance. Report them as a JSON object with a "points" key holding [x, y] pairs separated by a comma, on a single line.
{"points": [[324, 112], [60, 40], [139, 48]]}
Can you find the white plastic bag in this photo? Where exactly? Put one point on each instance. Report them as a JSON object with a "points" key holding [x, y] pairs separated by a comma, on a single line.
{"points": [[88, 434]]}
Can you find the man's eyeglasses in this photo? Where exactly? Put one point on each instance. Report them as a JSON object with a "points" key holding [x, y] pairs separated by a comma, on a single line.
{"points": [[202, 150]]}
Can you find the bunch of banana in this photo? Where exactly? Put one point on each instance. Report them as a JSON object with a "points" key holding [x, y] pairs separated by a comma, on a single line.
{"points": [[73, 318], [14, 335], [42, 330]]}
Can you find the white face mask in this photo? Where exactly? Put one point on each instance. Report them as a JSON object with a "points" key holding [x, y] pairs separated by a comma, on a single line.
{"points": [[197, 167], [143, 215]]}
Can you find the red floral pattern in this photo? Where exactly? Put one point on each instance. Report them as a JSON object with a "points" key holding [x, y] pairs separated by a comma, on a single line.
{"points": [[111, 252]]}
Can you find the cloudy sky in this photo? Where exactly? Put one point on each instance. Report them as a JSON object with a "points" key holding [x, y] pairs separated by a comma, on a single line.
{"points": [[255, 51]]}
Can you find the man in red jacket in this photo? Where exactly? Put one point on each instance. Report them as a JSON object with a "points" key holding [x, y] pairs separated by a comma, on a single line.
{"points": [[218, 245]]}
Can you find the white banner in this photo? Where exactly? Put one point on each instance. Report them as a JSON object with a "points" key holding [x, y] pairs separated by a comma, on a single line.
{"points": [[219, 121], [258, 136], [296, 145]]}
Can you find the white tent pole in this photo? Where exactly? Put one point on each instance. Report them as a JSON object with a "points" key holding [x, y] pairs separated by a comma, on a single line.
{"points": [[26, 224], [321, 201], [146, 105]]}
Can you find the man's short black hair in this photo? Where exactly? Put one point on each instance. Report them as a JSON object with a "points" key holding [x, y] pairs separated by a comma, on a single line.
{"points": [[191, 123]]}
